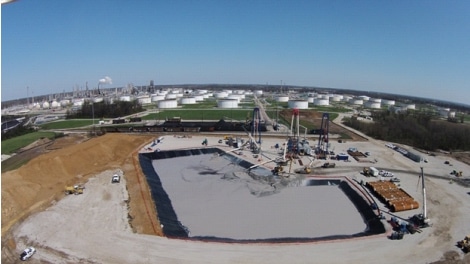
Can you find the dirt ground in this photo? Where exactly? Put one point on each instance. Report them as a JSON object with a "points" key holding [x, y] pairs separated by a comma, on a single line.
{"points": [[68, 161], [118, 219]]}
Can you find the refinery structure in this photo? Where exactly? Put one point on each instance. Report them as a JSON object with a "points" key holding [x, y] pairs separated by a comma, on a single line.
{"points": [[223, 97]]}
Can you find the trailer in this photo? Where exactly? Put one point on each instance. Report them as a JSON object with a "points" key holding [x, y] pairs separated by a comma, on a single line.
{"points": [[371, 171]]}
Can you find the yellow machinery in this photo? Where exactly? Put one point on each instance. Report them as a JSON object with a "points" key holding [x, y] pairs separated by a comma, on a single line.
{"points": [[465, 244], [76, 189]]}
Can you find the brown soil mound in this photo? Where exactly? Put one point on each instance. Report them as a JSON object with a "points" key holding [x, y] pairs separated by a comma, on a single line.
{"points": [[35, 186]]}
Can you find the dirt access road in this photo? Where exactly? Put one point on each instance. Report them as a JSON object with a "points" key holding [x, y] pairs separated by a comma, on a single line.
{"points": [[93, 227]]}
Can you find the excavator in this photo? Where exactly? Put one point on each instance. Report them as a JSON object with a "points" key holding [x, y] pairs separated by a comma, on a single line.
{"points": [[76, 189], [464, 244]]}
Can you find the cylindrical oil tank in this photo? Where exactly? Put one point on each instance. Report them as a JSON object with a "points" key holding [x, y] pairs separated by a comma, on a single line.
{"points": [[363, 97], [157, 97], [227, 103], [410, 106], [221, 95], [299, 104], [201, 92], [170, 96], [228, 92], [199, 98], [370, 104], [205, 96], [234, 96], [321, 101], [164, 93], [324, 96], [336, 98], [188, 100], [144, 100], [388, 102], [125, 98], [356, 101], [258, 92], [167, 104], [375, 100], [311, 100], [282, 98]]}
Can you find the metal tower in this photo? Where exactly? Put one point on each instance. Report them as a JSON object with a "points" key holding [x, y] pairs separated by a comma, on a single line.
{"points": [[323, 137]]}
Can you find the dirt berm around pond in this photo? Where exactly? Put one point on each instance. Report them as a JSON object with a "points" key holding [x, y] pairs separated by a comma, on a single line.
{"points": [[39, 183]]}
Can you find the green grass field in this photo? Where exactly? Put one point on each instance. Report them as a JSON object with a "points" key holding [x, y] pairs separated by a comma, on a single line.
{"points": [[68, 124], [11, 145], [201, 114]]}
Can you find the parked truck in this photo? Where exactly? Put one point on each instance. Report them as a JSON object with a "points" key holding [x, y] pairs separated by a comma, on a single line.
{"points": [[371, 171]]}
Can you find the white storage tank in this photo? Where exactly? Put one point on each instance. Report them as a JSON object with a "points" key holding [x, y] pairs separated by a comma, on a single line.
{"points": [[188, 100], [45, 105], [144, 100], [64, 102], [363, 98], [167, 104], [321, 102], [388, 102], [234, 96], [356, 101], [336, 98], [227, 103], [409, 106], [451, 114], [170, 96], [259, 92], [371, 104], [324, 96], [282, 98], [164, 93], [375, 100], [199, 98], [221, 95], [157, 97], [299, 104], [125, 98], [55, 104], [311, 100]]}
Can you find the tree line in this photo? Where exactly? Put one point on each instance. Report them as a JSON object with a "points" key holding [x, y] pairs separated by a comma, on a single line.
{"points": [[105, 109], [418, 129]]}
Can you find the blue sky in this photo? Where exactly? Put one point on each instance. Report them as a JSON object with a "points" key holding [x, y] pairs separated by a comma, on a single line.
{"points": [[418, 48]]}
